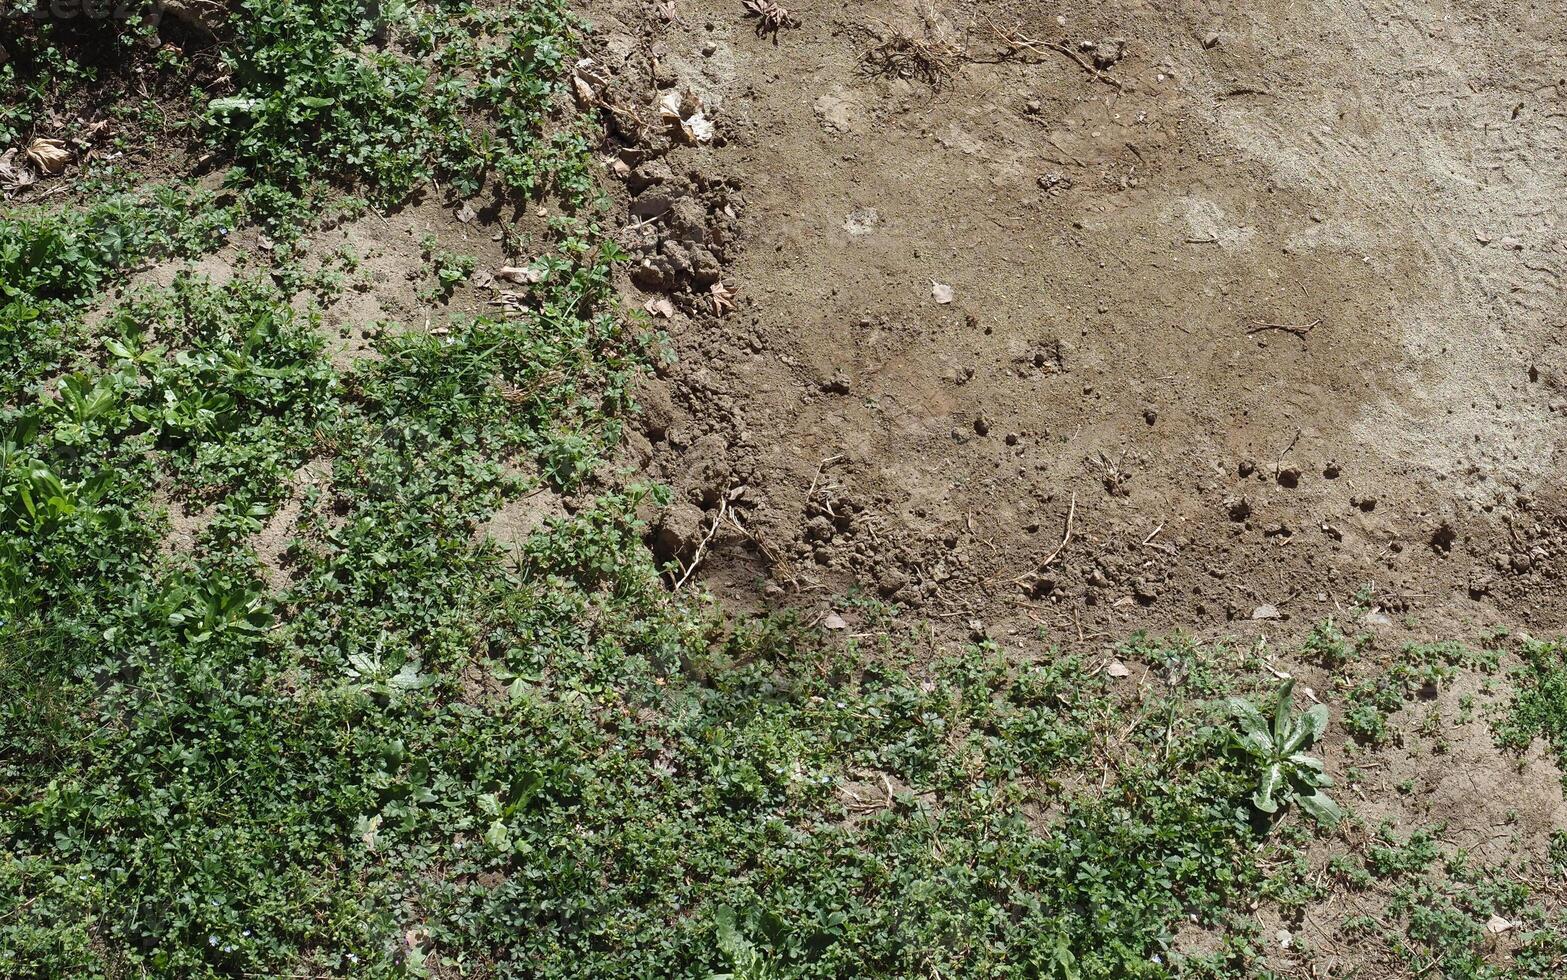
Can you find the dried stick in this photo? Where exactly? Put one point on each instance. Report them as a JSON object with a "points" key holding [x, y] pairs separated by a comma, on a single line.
{"points": [[1015, 39]]}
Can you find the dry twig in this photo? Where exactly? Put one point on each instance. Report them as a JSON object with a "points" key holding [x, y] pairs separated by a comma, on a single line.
{"points": [[1017, 41], [904, 56], [1066, 538], [701, 548], [1298, 329]]}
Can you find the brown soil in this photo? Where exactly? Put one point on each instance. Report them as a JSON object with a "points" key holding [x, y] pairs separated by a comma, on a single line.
{"points": [[1119, 225], [1253, 307], [1255, 311]]}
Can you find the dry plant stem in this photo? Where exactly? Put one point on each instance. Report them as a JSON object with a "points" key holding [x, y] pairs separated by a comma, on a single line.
{"points": [[1298, 329], [701, 549], [1066, 539], [1017, 40]]}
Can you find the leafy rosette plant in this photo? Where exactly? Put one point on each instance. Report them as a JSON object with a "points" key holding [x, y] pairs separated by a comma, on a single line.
{"points": [[1288, 773]]}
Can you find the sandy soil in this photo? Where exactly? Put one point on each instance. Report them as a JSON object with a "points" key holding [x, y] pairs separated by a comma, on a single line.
{"points": [[1125, 246]]}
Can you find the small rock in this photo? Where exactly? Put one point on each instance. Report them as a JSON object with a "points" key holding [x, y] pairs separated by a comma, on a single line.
{"points": [[1496, 925], [1150, 416], [1211, 39], [651, 173], [1239, 508], [678, 532], [892, 581], [653, 204], [709, 49], [1289, 477], [1054, 181], [1246, 467], [1109, 51], [657, 410], [940, 292], [1040, 586], [861, 221]]}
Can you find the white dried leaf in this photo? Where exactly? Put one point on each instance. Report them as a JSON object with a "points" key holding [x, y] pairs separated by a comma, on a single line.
{"points": [[587, 84], [14, 175], [1497, 925], [1117, 669], [834, 622], [669, 106], [1265, 612], [525, 275], [660, 307], [698, 128], [684, 112]]}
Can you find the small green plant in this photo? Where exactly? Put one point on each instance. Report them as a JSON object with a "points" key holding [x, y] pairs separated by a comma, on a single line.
{"points": [[450, 269], [1288, 774], [1328, 646]]}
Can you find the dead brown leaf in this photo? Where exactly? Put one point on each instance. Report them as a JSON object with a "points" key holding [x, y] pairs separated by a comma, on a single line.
{"points": [[770, 17], [14, 175], [49, 155]]}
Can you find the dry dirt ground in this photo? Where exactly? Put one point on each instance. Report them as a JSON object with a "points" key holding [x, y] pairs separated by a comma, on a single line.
{"points": [[1263, 301], [1256, 313], [1253, 308]]}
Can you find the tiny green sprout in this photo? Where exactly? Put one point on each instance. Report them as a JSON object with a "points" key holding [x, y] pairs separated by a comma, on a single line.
{"points": [[1288, 774]]}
